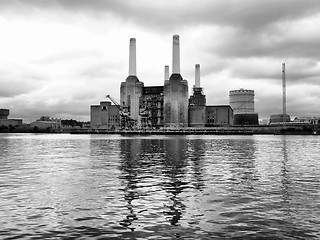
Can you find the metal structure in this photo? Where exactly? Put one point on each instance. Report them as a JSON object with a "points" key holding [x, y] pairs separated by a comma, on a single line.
{"points": [[151, 107], [126, 122]]}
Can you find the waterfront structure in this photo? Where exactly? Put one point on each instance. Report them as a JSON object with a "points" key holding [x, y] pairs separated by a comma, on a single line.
{"points": [[219, 115], [242, 103], [4, 121], [176, 92], [47, 123], [279, 119], [197, 103], [131, 90], [307, 120], [151, 107], [155, 107], [284, 117], [104, 115]]}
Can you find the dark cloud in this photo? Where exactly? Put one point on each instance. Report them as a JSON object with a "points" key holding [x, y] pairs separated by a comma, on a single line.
{"points": [[248, 14], [11, 88], [270, 69], [249, 39], [270, 43]]}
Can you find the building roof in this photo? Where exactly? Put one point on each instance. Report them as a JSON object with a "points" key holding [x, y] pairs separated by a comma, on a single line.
{"points": [[153, 90]]}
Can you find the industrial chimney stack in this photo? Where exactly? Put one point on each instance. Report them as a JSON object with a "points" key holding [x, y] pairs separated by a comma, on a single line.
{"points": [[197, 75], [132, 58], [176, 55], [166, 73], [132, 88], [175, 92], [284, 89]]}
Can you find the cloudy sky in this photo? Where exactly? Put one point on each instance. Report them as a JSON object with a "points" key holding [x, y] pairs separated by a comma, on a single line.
{"points": [[58, 57]]}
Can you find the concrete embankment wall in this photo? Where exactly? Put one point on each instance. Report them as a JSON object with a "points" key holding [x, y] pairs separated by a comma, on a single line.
{"points": [[234, 130]]}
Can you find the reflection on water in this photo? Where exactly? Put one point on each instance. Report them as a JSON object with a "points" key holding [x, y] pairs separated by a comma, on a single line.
{"points": [[159, 187]]}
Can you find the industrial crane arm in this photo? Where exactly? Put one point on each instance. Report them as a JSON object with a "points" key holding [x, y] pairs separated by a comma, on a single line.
{"points": [[114, 102]]}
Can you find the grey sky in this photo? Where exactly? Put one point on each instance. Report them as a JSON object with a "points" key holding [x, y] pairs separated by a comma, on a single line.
{"points": [[60, 56]]}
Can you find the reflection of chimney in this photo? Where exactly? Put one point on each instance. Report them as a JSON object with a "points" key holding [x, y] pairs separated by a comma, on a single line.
{"points": [[197, 76], [175, 55], [132, 58], [166, 72]]}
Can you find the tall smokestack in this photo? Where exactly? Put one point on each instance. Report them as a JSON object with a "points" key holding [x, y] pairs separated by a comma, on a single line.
{"points": [[166, 72], [132, 58], [284, 89], [197, 76], [175, 55]]}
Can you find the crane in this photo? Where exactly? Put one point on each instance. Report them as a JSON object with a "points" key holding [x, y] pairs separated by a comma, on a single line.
{"points": [[125, 120]]}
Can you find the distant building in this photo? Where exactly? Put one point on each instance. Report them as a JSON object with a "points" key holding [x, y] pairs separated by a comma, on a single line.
{"points": [[169, 105], [307, 120], [279, 119], [4, 121], [47, 123], [4, 113], [263, 122], [219, 115]]}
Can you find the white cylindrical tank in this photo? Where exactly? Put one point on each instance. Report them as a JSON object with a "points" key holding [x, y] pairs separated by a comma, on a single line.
{"points": [[242, 101]]}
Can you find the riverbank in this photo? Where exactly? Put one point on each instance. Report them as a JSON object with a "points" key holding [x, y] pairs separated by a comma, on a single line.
{"points": [[289, 129], [219, 131], [235, 130]]}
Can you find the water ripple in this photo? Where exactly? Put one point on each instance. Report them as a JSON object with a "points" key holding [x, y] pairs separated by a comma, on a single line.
{"points": [[168, 187]]}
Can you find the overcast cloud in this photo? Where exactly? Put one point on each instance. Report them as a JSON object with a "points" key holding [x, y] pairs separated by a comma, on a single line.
{"points": [[58, 57]]}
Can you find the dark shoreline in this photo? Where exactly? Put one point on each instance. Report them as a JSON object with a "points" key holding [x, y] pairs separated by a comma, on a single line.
{"points": [[290, 129], [235, 130]]}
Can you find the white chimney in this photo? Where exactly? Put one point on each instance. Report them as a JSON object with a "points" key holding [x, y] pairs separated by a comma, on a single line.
{"points": [[166, 72], [175, 55], [197, 76], [132, 58]]}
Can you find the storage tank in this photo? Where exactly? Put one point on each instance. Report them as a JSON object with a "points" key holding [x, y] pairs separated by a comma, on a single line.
{"points": [[242, 101]]}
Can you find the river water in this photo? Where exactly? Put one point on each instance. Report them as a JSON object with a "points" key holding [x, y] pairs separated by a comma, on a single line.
{"points": [[159, 187]]}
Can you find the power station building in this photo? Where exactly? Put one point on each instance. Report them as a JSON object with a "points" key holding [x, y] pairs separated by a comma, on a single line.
{"points": [[166, 106]]}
